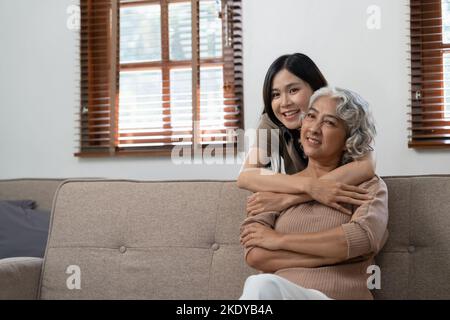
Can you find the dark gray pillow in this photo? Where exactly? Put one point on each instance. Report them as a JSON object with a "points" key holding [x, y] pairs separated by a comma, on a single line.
{"points": [[23, 231], [26, 204]]}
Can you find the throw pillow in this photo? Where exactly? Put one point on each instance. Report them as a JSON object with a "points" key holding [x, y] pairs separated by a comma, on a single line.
{"points": [[23, 231]]}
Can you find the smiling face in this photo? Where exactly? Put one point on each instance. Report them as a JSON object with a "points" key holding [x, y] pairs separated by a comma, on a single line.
{"points": [[323, 134], [290, 97]]}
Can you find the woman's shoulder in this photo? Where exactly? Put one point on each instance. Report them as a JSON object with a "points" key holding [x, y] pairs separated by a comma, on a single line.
{"points": [[374, 185], [266, 123]]}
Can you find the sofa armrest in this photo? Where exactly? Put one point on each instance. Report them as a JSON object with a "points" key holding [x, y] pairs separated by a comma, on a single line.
{"points": [[19, 278]]}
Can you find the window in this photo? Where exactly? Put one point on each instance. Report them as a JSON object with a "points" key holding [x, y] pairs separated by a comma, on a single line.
{"points": [[430, 74], [158, 74]]}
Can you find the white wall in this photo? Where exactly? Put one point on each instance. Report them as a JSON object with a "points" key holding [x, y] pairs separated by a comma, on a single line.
{"points": [[373, 63], [38, 84]]}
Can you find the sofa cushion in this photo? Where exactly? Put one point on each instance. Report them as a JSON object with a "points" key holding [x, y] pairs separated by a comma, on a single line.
{"points": [[415, 261], [23, 231], [39, 190], [146, 240], [19, 278]]}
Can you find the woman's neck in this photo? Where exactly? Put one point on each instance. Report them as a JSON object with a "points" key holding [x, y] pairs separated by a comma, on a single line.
{"points": [[316, 169]]}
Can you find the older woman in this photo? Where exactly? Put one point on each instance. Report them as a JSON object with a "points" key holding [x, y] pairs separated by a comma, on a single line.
{"points": [[311, 251]]}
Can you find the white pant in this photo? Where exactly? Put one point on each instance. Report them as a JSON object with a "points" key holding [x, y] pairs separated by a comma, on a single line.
{"points": [[267, 286]]}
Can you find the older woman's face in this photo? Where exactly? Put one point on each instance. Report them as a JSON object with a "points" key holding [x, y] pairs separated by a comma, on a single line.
{"points": [[323, 134]]}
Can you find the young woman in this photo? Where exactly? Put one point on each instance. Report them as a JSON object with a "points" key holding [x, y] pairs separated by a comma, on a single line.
{"points": [[312, 251], [288, 86]]}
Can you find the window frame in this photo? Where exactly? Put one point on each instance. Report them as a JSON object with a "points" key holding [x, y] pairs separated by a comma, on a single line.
{"points": [[165, 65], [429, 124]]}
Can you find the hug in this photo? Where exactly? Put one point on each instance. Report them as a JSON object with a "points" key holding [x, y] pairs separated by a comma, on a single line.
{"points": [[308, 245]]}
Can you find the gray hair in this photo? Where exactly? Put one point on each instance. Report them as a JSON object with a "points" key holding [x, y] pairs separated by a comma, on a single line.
{"points": [[354, 111]]}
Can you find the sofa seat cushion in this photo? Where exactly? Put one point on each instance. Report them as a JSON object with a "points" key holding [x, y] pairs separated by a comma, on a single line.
{"points": [[145, 240]]}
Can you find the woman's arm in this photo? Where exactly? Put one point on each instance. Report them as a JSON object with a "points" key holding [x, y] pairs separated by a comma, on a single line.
{"points": [[257, 179], [354, 173], [325, 190], [331, 243], [254, 177], [271, 201], [271, 261]]}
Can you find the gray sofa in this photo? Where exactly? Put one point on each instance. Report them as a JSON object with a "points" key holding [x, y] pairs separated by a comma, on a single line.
{"points": [[179, 240]]}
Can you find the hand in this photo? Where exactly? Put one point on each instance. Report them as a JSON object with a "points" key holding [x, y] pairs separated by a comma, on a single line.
{"points": [[268, 201], [330, 193], [257, 235]]}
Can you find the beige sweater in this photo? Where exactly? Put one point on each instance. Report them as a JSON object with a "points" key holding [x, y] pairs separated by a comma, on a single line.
{"points": [[365, 232]]}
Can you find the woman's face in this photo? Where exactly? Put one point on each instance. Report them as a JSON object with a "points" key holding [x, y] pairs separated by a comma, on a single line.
{"points": [[290, 98], [323, 134]]}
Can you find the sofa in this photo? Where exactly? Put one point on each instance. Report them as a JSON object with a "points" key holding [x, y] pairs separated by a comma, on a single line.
{"points": [[126, 239]]}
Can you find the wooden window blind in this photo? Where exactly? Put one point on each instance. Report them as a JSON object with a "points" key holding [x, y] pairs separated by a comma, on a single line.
{"points": [[156, 74], [430, 74]]}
